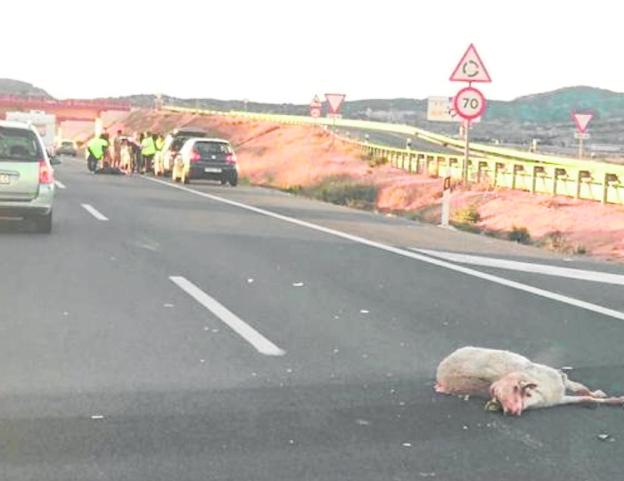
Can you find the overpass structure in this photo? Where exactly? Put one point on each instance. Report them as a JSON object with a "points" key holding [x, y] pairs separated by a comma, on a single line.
{"points": [[64, 110]]}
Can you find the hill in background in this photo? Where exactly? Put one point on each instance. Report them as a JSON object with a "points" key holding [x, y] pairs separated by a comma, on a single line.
{"points": [[544, 116], [24, 89]]}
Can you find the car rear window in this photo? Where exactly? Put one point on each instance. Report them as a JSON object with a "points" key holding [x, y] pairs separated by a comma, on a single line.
{"points": [[177, 143], [211, 148], [19, 145]]}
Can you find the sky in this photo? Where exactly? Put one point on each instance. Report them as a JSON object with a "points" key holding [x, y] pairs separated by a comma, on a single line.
{"points": [[287, 51]]}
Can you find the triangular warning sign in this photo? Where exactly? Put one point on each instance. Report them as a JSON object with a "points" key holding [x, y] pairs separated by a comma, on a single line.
{"points": [[334, 101], [470, 68], [582, 121]]}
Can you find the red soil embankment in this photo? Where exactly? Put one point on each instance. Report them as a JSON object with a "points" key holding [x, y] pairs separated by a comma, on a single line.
{"points": [[287, 156]]}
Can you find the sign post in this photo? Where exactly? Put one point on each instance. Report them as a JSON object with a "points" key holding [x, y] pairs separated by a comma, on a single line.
{"points": [[582, 121], [469, 103], [335, 102]]}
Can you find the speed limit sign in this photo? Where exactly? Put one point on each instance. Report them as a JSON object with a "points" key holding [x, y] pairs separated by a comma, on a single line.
{"points": [[469, 103]]}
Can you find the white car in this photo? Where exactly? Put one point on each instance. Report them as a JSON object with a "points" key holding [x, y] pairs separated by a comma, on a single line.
{"points": [[174, 142], [201, 158], [26, 176]]}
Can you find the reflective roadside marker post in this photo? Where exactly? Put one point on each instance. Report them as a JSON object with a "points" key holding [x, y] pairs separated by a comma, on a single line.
{"points": [[469, 103], [446, 202], [582, 120]]}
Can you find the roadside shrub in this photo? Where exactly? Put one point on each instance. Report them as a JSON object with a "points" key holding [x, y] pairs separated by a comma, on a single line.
{"points": [[519, 234], [345, 191], [467, 215], [555, 241], [377, 161]]}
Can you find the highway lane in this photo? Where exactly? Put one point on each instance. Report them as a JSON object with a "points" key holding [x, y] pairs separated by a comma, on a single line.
{"points": [[95, 327], [396, 140]]}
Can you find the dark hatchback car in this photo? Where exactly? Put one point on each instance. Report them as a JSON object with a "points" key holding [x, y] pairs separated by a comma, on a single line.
{"points": [[67, 147], [201, 158]]}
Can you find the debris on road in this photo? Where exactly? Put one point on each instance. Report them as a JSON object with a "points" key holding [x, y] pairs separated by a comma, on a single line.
{"points": [[407, 445], [250, 280], [567, 368], [465, 428], [362, 422], [605, 437], [427, 475], [97, 417], [289, 370], [168, 305], [297, 284], [215, 331], [364, 311], [336, 350], [66, 313], [202, 361]]}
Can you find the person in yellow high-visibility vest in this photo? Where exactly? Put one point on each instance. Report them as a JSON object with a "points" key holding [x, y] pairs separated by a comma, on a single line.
{"points": [[96, 149], [148, 149]]}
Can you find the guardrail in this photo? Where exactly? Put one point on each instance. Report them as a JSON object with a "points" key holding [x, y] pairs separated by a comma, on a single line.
{"points": [[501, 167]]}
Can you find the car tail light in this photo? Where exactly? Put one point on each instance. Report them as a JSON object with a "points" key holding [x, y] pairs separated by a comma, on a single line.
{"points": [[195, 157], [230, 158], [46, 174]]}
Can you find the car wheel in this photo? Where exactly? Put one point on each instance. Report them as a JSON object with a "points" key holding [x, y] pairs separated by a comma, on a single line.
{"points": [[224, 180], [43, 224], [234, 179]]}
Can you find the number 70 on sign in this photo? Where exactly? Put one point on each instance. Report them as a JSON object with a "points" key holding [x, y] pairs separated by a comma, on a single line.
{"points": [[469, 103]]}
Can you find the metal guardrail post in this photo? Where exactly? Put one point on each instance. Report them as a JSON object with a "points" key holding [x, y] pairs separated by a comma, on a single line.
{"points": [[605, 188]]}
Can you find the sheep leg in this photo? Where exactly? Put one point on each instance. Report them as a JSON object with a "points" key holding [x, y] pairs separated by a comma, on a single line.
{"points": [[582, 390], [611, 401]]}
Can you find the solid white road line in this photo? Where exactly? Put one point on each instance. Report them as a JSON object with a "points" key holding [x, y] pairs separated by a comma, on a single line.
{"points": [[405, 253], [545, 269], [94, 212], [59, 184], [253, 337]]}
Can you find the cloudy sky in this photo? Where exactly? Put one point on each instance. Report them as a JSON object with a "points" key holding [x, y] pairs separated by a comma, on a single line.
{"points": [[286, 51]]}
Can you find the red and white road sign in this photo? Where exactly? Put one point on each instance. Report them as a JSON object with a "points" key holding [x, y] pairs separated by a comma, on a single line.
{"points": [[469, 103], [334, 101], [582, 121], [470, 68], [315, 107]]}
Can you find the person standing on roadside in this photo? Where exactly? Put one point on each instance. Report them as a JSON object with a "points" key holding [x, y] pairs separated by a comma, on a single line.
{"points": [[148, 149], [117, 149], [96, 149], [138, 156], [159, 142]]}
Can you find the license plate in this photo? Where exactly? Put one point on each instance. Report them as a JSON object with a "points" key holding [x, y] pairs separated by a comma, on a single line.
{"points": [[5, 179], [213, 170]]}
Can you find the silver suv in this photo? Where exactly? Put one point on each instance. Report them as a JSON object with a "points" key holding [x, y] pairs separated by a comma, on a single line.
{"points": [[26, 176]]}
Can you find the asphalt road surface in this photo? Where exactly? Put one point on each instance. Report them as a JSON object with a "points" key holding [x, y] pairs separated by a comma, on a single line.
{"points": [[396, 140], [164, 332]]}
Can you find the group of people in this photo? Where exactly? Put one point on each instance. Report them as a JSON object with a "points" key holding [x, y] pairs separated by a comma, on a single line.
{"points": [[124, 154]]}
